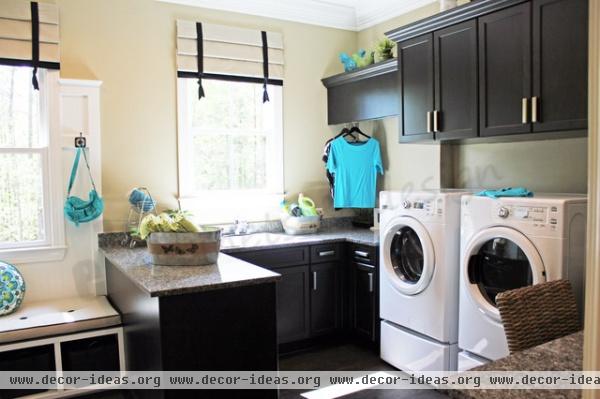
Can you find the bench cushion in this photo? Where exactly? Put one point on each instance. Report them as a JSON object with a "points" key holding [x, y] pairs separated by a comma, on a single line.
{"points": [[57, 317]]}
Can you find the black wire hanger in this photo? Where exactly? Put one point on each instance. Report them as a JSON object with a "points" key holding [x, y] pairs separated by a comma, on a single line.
{"points": [[356, 129]]}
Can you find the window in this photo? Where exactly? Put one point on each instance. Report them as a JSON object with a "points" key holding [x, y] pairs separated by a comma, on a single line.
{"points": [[230, 149], [26, 218]]}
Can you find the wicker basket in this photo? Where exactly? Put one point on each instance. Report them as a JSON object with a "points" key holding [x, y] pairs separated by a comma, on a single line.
{"points": [[537, 314], [185, 249]]}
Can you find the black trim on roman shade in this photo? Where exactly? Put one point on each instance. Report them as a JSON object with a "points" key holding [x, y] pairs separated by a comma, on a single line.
{"points": [[29, 63], [229, 78], [200, 56], [35, 43], [265, 51]]}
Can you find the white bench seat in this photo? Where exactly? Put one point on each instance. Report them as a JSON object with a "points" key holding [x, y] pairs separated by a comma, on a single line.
{"points": [[57, 317]]}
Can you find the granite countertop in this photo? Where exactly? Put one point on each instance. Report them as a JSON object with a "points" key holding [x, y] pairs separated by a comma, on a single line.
{"points": [[563, 354], [232, 244], [228, 272]]}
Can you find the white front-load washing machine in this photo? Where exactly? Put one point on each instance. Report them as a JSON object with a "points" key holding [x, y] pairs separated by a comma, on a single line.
{"points": [[509, 243], [419, 247]]}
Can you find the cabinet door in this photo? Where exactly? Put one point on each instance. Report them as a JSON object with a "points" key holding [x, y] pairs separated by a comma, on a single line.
{"points": [[415, 69], [324, 298], [505, 71], [455, 54], [560, 45], [364, 284], [293, 304]]}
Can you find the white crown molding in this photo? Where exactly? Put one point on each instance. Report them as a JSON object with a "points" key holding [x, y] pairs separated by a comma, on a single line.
{"points": [[340, 14], [381, 11], [314, 12]]}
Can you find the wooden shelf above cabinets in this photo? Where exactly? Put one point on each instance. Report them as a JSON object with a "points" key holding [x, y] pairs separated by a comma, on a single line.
{"points": [[367, 93]]}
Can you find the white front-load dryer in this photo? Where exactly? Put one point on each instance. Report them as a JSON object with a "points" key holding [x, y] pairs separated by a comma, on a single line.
{"points": [[419, 247], [509, 243]]}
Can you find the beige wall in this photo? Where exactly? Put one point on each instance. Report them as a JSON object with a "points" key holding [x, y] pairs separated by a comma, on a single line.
{"points": [[548, 166], [130, 46]]}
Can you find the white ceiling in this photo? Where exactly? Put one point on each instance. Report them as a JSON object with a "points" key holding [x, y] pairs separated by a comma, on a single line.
{"points": [[352, 15]]}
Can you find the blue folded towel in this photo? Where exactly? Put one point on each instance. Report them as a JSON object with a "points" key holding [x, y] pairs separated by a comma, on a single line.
{"points": [[506, 192]]}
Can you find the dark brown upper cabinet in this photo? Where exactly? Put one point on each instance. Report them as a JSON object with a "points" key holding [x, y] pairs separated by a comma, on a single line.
{"points": [[560, 65], [416, 81], [505, 71], [455, 54]]}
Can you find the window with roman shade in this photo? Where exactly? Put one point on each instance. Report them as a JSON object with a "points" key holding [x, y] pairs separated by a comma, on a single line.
{"points": [[29, 35], [210, 51]]}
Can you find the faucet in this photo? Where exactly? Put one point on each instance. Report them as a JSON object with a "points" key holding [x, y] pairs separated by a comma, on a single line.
{"points": [[240, 227]]}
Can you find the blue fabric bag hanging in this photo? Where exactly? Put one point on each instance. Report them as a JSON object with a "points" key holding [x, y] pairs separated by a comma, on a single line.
{"points": [[76, 209]]}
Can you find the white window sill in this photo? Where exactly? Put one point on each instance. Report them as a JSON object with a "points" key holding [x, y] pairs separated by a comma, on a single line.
{"points": [[227, 207], [33, 255]]}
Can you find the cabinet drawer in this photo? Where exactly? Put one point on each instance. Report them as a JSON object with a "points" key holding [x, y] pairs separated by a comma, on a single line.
{"points": [[278, 257], [325, 253], [363, 254]]}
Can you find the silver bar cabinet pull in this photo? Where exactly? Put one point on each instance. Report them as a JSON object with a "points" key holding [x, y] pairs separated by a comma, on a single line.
{"points": [[435, 120], [314, 281], [370, 282], [524, 110], [534, 109], [428, 121], [326, 253], [362, 254]]}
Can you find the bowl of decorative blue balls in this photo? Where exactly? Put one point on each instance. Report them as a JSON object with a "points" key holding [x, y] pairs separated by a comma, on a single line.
{"points": [[12, 288]]}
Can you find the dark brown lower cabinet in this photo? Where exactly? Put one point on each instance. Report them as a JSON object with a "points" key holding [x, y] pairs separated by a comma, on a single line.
{"points": [[293, 301], [324, 298], [334, 292], [364, 301]]}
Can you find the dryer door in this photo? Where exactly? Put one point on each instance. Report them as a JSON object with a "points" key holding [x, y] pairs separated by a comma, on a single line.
{"points": [[408, 257], [496, 260]]}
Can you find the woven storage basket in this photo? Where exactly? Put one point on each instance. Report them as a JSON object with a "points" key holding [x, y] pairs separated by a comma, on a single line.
{"points": [[537, 314]]}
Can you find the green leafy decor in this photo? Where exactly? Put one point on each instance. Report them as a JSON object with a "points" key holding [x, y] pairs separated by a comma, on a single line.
{"points": [[383, 49]]}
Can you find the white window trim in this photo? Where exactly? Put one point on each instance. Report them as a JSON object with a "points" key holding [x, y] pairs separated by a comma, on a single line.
{"points": [[53, 248], [215, 206]]}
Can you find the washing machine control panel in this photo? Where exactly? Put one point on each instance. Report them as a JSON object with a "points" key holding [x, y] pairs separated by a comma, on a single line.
{"points": [[539, 217]]}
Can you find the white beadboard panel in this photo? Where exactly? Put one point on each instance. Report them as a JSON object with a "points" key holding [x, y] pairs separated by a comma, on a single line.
{"points": [[81, 272]]}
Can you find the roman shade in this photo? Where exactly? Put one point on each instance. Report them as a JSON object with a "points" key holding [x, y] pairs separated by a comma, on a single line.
{"points": [[29, 35], [213, 51]]}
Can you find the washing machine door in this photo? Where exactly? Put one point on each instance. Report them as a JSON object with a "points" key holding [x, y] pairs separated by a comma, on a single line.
{"points": [[498, 259], [408, 256]]}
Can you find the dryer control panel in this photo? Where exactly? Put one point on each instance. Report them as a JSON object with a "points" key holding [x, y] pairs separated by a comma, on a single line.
{"points": [[539, 217]]}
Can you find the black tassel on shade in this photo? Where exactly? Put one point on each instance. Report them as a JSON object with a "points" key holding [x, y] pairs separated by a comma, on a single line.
{"points": [[200, 58], [265, 50], [35, 43]]}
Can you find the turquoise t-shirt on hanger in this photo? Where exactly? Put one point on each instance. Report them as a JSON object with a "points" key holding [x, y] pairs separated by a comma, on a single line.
{"points": [[355, 168]]}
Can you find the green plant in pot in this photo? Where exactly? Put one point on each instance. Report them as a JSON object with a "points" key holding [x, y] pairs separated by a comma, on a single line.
{"points": [[383, 50]]}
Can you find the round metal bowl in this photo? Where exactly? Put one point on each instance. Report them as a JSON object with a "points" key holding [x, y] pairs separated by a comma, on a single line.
{"points": [[185, 249]]}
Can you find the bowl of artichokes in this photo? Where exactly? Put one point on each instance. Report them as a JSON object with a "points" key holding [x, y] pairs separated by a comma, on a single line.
{"points": [[175, 241]]}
